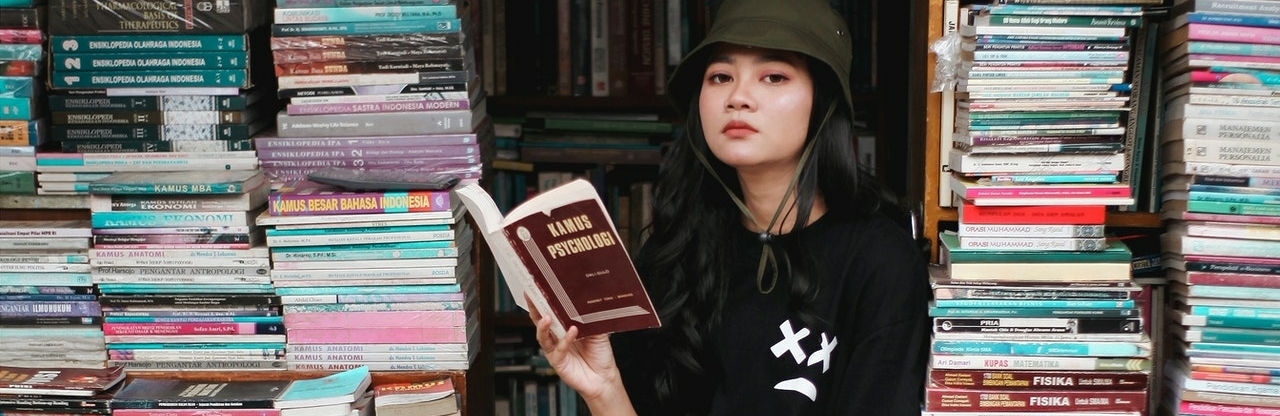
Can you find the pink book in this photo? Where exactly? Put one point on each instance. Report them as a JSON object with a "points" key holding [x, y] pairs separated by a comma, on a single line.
{"points": [[1215, 409], [1253, 219], [1242, 260], [1233, 279], [426, 335], [1227, 33], [195, 328], [195, 412], [375, 319]]}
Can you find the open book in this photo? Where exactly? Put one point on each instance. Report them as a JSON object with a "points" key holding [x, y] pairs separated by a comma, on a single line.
{"points": [[561, 248]]}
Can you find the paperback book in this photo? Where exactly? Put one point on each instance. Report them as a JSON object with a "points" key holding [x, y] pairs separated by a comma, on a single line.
{"points": [[561, 250]]}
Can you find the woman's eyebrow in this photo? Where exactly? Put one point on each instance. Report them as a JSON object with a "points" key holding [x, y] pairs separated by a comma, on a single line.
{"points": [[766, 57]]}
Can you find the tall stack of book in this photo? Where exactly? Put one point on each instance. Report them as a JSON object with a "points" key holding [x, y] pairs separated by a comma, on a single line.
{"points": [[154, 84], [398, 72], [1221, 203], [183, 272], [58, 390], [49, 315], [344, 393], [1035, 309], [382, 279], [23, 113]]}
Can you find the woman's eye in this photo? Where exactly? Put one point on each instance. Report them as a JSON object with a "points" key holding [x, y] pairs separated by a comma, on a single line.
{"points": [[774, 78], [718, 78]]}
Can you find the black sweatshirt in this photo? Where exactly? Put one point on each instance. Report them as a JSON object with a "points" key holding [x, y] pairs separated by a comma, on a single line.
{"points": [[865, 355]]}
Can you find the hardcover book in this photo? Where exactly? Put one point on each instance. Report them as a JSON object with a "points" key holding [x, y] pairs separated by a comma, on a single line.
{"points": [[561, 250], [306, 198], [421, 398], [58, 381], [342, 387], [148, 393]]}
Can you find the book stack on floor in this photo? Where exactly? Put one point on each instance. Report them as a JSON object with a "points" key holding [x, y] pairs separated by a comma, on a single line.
{"points": [[1221, 203], [375, 278], [156, 84], [376, 87], [423, 398], [49, 314], [58, 390], [183, 271], [343, 393], [23, 112]]}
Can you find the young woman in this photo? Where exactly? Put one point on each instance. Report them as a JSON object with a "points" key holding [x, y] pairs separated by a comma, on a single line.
{"points": [[782, 286]]}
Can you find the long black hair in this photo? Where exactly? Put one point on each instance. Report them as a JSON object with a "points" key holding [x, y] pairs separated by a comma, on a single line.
{"points": [[685, 261]]}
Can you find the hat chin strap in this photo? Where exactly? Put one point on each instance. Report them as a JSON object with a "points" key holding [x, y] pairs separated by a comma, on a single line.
{"points": [[767, 258]]}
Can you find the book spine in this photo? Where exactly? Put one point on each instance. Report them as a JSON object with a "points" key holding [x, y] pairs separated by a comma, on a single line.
{"points": [[149, 61], [43, 258], [1039, 380], [194, 187], [384, 202], [73, 17], [373, 124], [311, 256], [378, 348], [996, 230], [185, 132], [971, 312], [192, 300], [100, 203], [49, 308], [1257, 389], [133, 219], [356, 53], [1033, 244], [1233, 197], [145, 146], [1233, 208], [23, 132], [1232, 48], [381, 66], [377, 357], [1061, 215], [190, 328], [1224, 151], [1019, 303], [148, 365], [996, 362], [378, 107], [370, 290], [983, 164], [21, 67], [1232, 33], [1235, 336], [265, 142], [374, 307], [1232, 279], [180, 239], [354, 84], [345, 274], [421, 335], [1231, 19], [23, 17], [1248, 131], [379, 366], [43, 267], [393, 27], [238, 78], [376, 319], [286, 16], [1005, 400], [1234, 292], [1216, 409], [1230, 266], [357, 152], [169, 43], [1050, 349], [1038, 325], [343, 42], [288, 4]]}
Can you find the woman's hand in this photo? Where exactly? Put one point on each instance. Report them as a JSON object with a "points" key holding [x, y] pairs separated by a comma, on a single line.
{"points": [[585, 364]]}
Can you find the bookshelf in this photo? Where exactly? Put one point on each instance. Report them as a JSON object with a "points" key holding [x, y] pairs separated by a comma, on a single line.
{"points": [[926, 129]]}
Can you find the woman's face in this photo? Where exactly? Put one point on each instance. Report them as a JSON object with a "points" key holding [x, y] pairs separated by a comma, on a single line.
{"points": [[755, 107]]}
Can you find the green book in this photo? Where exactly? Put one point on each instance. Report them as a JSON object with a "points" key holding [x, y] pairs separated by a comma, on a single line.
{"points": [[949, 245]]}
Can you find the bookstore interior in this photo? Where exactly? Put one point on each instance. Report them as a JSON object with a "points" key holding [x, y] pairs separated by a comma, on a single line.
{"points": [[311, 207]]}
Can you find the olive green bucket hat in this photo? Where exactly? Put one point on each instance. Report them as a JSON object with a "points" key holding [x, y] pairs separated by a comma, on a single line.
{"points": [[809, 27]]}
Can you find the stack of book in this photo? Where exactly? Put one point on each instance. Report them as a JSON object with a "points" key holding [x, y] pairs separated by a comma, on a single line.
{"points": [[1221, 201], [23, 113], [388, 78], [344, 393], [382, 279], [161, 84], [182, 270], [49, 315], [58, 390]]}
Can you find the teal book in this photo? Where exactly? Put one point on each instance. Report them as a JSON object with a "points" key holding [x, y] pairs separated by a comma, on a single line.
{"points": [[225, 182], [342, 387], [1116, 252], [366, 290]]}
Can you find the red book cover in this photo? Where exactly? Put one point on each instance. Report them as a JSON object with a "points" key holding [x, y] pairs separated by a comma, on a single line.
{"points": [[309, 198], [1039, 380], [942, 399], [1032, 214], [58, 381], [562, 250]]}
